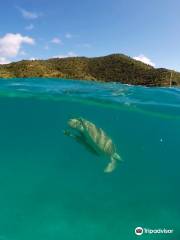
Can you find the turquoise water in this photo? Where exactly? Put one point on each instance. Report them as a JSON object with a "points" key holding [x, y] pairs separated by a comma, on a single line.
{"points": [[53, 188]]}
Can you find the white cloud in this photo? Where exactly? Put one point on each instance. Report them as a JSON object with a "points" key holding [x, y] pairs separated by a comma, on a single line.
{"points": [[144, 59], [69, 54], [68, 35], [10, 45], [29, 27], [56, 40], [33, 59], [3, 60], [28, 14]]}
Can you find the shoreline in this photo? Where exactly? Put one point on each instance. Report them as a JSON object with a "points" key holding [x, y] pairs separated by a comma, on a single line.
{"points": [[112, 68]]}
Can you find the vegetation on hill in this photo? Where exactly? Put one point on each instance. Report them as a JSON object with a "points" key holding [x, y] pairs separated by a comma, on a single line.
{"points": [[116, 67]]}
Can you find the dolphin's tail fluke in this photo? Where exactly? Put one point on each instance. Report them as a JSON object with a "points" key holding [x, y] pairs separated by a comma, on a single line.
{"points": [[113, 163]]}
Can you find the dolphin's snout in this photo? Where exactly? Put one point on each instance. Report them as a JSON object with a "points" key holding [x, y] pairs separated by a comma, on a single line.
{"points": [[75, 123], [72, 123]]}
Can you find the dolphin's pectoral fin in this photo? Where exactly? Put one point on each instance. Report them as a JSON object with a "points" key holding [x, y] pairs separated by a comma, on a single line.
{"points": [[75, 136], [113, 163], [68, 133]]}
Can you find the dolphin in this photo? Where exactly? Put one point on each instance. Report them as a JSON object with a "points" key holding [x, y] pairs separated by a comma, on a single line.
{"points": [[94, 139]]}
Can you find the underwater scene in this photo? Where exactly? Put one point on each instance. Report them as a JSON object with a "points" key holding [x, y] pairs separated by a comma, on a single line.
{"points": [[82, 160]]}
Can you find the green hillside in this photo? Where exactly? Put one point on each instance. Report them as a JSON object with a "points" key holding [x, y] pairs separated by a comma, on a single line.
{"points": [[115, 67]]}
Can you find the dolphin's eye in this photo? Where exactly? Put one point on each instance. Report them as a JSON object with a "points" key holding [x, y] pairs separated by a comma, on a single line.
{"points": [[80, 121]]}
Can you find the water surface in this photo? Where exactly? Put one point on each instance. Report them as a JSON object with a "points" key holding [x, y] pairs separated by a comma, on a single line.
{"points": [[53, 188]]}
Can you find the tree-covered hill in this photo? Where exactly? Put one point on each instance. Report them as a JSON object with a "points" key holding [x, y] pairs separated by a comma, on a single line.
{"points": [[115, 67]]}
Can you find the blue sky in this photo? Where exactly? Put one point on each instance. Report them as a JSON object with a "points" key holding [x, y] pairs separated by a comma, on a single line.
{"points": [[147, 30]]}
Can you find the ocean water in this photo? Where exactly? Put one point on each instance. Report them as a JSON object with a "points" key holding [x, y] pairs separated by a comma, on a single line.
{"points": [[51, 187]]}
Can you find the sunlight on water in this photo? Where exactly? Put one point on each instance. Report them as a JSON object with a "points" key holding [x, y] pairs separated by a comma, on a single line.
{"points": [[54, 188]]}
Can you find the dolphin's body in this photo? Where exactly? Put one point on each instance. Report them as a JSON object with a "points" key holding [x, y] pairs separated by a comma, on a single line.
{"points": [[95, 139]]}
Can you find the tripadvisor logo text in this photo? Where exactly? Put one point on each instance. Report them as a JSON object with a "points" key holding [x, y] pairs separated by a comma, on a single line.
{"points": [[139, 231]]}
